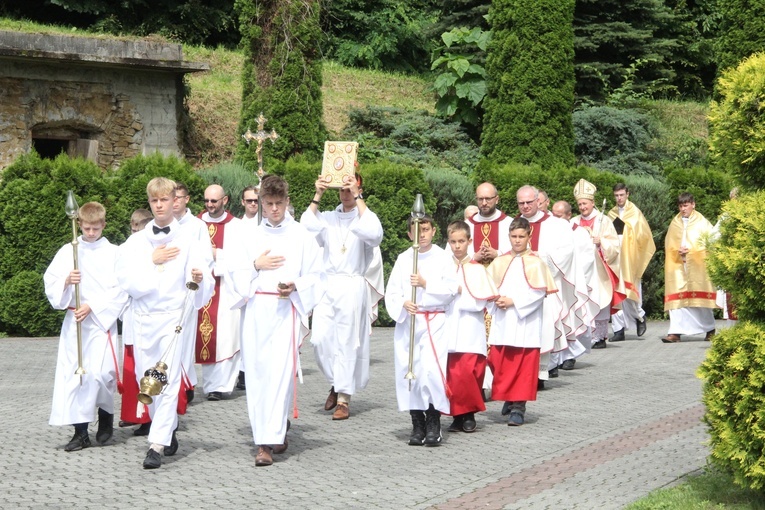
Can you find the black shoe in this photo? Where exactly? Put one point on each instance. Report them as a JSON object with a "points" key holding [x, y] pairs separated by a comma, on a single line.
{"points": [[214, 396], [240, 382], [600, 344], [190, 395], [105, 426], [486, 393], [153, 460], [506, 408], [619, 336], [457, 424], [418, 428], [642, 325], [568, 364], [552, 374], [468, 423], [170, 450], [540, 385], [432, 427], [516, 418], [143, 430], [79, 441]]}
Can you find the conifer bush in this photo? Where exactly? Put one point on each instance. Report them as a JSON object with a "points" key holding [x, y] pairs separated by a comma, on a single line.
{"points": [[530, 97], [737, 123], [734, 397]]}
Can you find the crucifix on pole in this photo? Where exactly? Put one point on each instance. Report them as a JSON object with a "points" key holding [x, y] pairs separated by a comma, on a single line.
{"points": [[260, 136]]}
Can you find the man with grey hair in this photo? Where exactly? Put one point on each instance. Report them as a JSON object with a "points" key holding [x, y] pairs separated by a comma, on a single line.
{"points": [[552, 240]]}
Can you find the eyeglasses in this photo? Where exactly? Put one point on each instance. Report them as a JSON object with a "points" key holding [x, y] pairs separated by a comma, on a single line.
{"points": [[485, 199], [212, 200], [529, 202], [181, 196], [251, 200]]}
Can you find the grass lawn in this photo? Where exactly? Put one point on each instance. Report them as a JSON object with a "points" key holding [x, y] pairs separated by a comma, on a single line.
{"points": [[710, 489]]}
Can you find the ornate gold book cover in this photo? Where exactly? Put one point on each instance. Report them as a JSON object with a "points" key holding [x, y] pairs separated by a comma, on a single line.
{"points": [[339, 162]]}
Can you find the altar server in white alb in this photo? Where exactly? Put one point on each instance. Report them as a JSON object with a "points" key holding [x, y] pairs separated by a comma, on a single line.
{"points": [[217, 338], [436, 287], [342, 322], [75, 397], [154, 266], [525, 287], [278, 271]]}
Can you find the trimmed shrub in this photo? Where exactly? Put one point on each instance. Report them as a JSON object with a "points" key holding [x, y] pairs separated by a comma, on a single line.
{"points": [[614, 140], [737, 123], [24, 309], [531, 83], [734, 397], [558, 182], [737, 261]]}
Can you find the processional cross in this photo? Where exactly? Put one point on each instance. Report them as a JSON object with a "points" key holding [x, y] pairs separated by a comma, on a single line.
{"points": [[260, 136]]}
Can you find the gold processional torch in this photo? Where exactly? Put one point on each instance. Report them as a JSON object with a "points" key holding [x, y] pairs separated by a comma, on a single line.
{"points": [[260, 136], [154, 379], [418, 212], [73, 212]]}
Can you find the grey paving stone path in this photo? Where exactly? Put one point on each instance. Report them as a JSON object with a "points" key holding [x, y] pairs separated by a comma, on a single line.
{"points": [[624, 422]]}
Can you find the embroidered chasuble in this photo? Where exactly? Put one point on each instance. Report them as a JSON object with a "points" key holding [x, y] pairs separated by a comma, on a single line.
{"points": [[686, 283], [207, 331], [637, 246], [486, 233]]}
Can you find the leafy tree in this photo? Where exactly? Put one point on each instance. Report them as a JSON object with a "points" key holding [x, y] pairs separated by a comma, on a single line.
{"points": [[531, 83], [460, 13], [741, 33], [282, 75], [461, 86], [612, 35], [379, 34], [191, 21]]}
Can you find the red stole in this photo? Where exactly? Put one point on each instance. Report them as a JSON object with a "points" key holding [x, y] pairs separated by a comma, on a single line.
{"points": [[486, 233], [536, 229], [207, 335]]}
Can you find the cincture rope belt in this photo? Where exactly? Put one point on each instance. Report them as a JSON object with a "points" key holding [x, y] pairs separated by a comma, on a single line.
{"points": [[120, 388], [294, 353], [428, 317]]}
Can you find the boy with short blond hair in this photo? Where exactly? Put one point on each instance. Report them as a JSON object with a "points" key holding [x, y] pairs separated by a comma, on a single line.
{"points": [[153, 267], [436, 286], [75, 397]]}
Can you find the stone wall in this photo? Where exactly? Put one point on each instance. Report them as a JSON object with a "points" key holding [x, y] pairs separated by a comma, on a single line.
{"points": [[104, 103]]}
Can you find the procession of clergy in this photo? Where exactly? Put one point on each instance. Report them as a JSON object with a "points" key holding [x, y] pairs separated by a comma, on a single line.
{"points": [[523, 295]]}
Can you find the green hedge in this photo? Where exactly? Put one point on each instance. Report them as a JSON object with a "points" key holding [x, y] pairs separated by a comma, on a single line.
{"points": [[734, 397]]}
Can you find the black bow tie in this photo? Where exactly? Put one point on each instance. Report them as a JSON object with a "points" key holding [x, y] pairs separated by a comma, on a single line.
{"points": [[164, 230]]}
